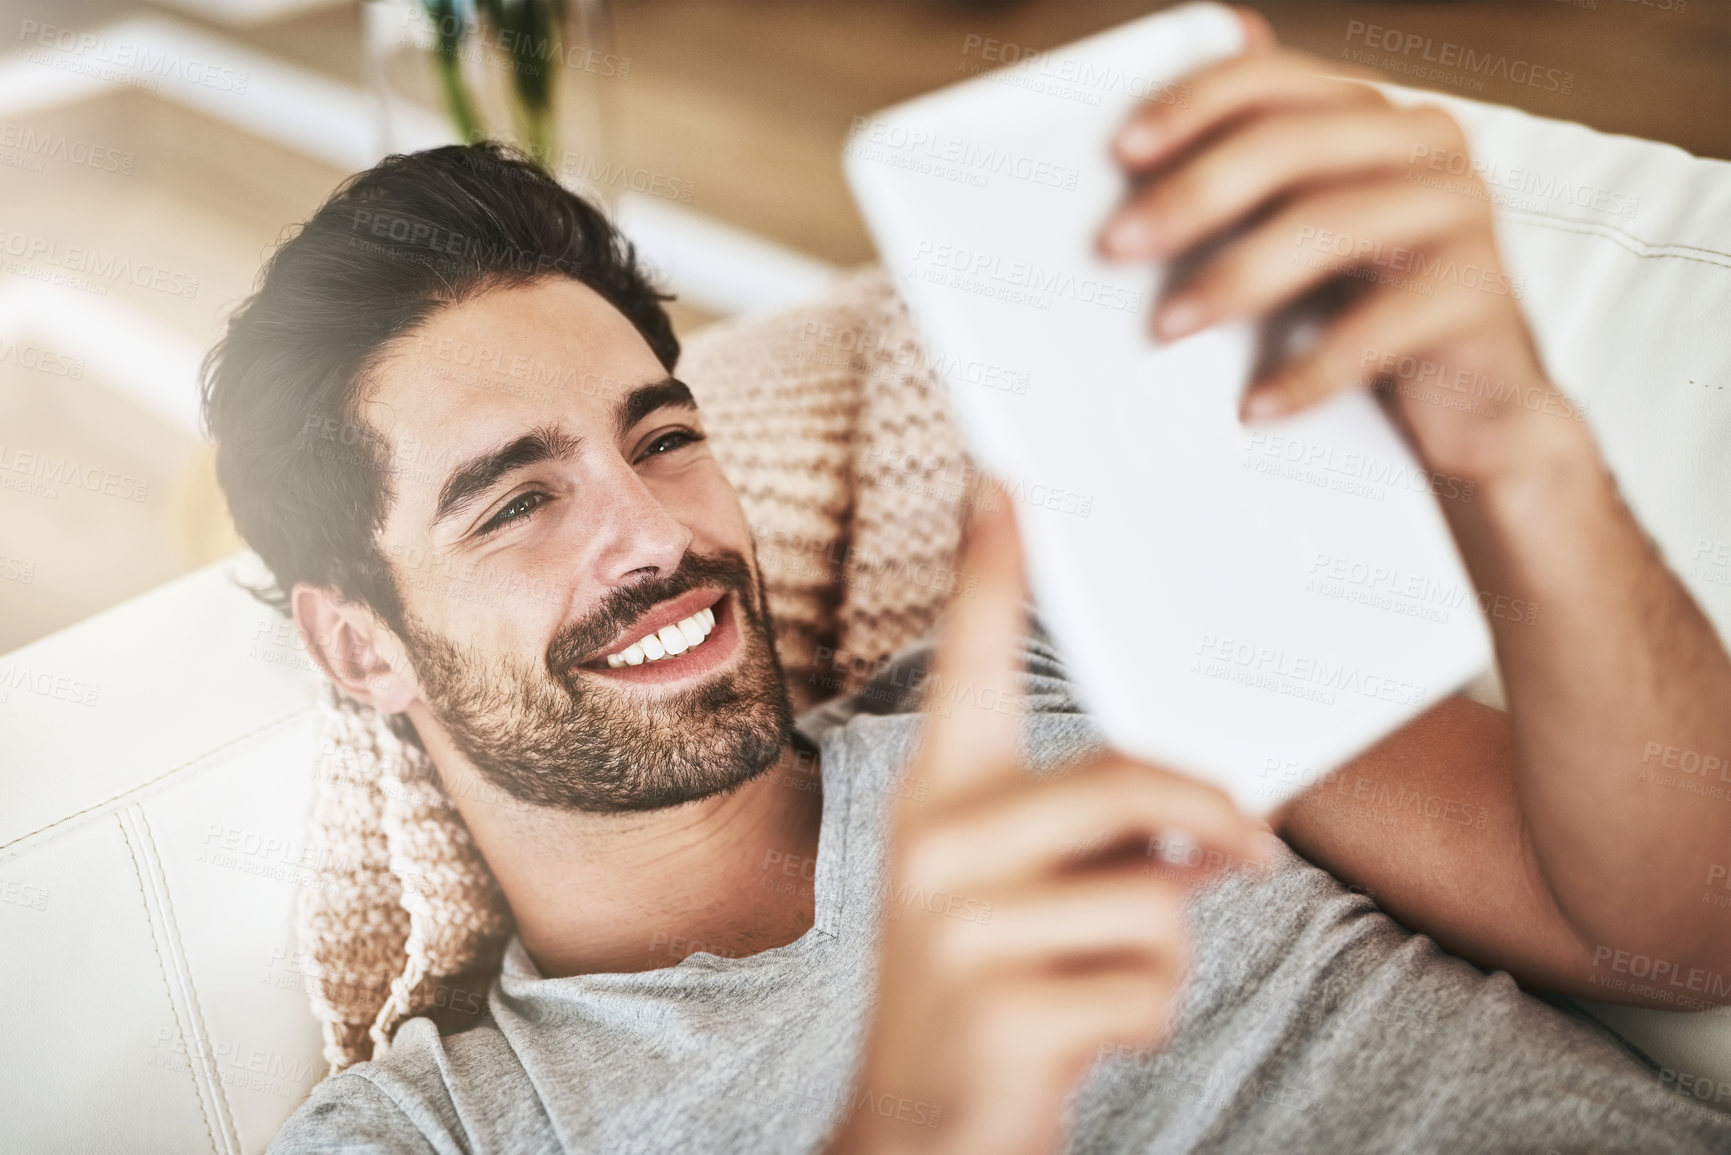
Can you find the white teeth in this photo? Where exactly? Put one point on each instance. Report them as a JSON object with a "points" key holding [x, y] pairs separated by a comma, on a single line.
{"points": [[683, 635]]}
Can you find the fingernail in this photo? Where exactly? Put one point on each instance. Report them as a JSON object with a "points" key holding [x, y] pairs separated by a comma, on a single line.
{"points": [[1179, 317], [1127, 235], [1264, 404], [1140, 142]]}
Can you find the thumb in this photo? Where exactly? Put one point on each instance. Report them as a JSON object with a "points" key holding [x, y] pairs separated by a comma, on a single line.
{"points": [[972, 726]]}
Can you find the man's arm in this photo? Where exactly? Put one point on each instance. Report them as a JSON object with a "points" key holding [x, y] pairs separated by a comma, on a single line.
{"points": [[1553, 841], [1619, 668], [1585, 857]]}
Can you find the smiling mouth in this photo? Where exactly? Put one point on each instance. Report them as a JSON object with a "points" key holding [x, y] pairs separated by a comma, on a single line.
{"points": [[669, 635], [667, 642]]}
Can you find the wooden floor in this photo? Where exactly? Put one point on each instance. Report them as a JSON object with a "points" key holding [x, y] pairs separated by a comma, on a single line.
{"points": [[747, 102]]}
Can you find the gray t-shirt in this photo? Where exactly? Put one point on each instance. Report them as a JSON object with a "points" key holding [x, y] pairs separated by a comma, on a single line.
{"points": [[1310, 1023]]}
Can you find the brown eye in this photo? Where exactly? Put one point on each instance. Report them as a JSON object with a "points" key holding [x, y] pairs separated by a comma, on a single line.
{"points": [[517, 508], [671, 440]]}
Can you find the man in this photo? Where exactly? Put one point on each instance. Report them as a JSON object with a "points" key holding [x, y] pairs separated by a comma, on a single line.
{"points": [[619, 745]]}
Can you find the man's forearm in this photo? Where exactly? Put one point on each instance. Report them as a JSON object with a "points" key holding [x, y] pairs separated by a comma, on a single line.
{"points": [[1609, 683]]}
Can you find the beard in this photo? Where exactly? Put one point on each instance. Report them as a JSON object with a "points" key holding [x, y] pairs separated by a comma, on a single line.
{"points": [[550, 735]]}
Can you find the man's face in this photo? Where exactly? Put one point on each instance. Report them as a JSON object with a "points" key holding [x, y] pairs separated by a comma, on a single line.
{"points": [[585, 615]]}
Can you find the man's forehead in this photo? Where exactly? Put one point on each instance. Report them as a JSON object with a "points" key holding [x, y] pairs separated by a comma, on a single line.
{"points": [[555, 350]]}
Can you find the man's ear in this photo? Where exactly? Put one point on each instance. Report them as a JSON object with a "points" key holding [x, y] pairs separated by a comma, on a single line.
{"points": [[357, 651]]}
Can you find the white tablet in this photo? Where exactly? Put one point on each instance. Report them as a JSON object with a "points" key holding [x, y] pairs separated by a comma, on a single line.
{"points": [[1252, 605]]}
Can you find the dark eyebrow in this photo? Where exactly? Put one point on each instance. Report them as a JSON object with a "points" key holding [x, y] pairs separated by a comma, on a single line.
{"points": [[474, 477], [646, 399]]}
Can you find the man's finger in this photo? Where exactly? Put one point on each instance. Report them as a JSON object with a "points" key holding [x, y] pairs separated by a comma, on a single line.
{"points": [[1391, 321], [1329, 232], [972, 723], [1258, 32], [1265, 159], [1065, 924], [1096, 806], [1156, 132]]}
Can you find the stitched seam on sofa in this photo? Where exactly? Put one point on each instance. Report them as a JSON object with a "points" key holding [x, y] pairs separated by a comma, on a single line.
{"points": [[171, 922], [1626, 241], [150, 858], [162, 968], [211, 756]]}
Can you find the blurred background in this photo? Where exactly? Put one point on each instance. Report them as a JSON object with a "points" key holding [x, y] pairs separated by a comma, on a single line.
{"points": [[151, 154]]}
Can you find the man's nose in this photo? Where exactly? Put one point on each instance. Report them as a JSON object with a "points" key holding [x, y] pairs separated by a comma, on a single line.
{"points": [[637, 536]]}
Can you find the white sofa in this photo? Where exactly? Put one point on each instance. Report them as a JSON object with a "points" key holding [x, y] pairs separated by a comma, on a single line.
{"points": [[154, 760]]}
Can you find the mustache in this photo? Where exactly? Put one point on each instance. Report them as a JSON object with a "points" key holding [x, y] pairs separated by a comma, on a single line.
{"points": [[627, 604]]}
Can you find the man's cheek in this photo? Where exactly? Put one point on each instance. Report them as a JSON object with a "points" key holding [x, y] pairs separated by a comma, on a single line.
{"points": [[720, 517]]}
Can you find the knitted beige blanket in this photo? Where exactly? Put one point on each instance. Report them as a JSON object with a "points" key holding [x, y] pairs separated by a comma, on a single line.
{"points": [[830, 424]]}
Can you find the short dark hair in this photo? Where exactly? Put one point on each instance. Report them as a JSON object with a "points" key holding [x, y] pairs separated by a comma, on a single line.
{"points": [[307, 477]]}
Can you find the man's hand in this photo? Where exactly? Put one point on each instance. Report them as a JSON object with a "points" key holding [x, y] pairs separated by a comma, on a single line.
{"points": [[1025, 926], [1326, 178], [1584, 852]]}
